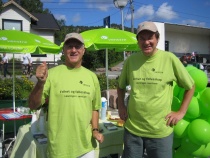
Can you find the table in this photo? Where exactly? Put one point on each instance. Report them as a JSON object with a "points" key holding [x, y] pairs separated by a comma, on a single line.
{"points": [[6, 111], [26, 147]]}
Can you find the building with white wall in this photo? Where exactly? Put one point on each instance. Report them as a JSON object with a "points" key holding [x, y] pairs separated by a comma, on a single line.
{"points": [[183, 39], [13, 16]]}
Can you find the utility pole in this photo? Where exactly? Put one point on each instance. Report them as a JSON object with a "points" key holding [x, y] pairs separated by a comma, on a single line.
{"points": [[132, 11]]}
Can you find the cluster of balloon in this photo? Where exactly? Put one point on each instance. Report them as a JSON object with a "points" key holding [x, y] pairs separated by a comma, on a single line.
{"points": [[192, 133]]}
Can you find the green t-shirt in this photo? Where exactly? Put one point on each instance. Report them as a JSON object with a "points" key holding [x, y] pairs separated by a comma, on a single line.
{"points": [[151, 80], [73, 95]]}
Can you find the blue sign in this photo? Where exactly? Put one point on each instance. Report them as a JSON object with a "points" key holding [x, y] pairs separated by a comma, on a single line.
{"points": [[107, 21]]}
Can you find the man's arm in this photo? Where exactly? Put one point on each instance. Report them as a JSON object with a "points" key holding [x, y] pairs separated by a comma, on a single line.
{"points": [[95, 118], [95, 127], [36, 94], [121, 104]]}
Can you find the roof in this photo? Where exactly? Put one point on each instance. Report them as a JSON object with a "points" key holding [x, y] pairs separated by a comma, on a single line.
{"points": [[21, 8], [187, 29], [38, 20], [46, 21]]}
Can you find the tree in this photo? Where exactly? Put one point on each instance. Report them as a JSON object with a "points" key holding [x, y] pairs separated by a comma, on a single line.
{"points": [[33, 6], [1, 3]]}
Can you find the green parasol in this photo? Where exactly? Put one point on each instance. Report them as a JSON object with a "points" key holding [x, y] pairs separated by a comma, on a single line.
{"points": [[13, 41], [108, 38]]}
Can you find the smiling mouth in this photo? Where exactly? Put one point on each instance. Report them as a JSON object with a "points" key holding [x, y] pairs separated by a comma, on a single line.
{"points": [[73, 55]]}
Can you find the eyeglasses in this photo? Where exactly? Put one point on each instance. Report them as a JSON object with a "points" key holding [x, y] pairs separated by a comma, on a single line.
{"points": [[76, 46]]}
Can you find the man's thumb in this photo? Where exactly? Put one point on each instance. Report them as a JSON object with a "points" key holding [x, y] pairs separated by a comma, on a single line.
{"points": [[44, 63]]}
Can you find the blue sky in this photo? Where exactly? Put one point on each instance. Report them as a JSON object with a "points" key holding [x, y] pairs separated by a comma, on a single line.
{"points": [[92, 12]]}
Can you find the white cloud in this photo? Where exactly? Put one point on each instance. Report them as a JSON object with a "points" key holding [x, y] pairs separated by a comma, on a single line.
{"points": [[59, 16], [145, 10], [61, 2], [76, 17], [166, 12], [102, 7], [64, 1], [193, 23], [100, 4]]}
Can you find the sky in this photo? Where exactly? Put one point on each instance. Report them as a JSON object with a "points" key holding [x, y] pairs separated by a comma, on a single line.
{"points": [[92, 12]]}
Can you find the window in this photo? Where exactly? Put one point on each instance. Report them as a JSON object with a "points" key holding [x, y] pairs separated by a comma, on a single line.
{"points": [[11, 24]]}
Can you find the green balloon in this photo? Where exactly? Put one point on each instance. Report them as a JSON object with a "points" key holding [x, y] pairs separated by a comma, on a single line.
{"points": [[193, 110], [191, 148], [189, 68], [181, 154], [199, 132], [205, 101], [176, 143], [200, 78], [176, 89], [181, 94], [197, 94], [180, 129], [208, 119], [175, 104], [206, 151]]}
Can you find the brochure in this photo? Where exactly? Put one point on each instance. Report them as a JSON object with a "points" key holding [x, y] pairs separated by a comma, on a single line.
{"points": [[110, 126], [12, 115]]}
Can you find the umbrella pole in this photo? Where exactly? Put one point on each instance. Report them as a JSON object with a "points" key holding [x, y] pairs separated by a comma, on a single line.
{"points": [[13, 82], [13, 85], [107, 77]]}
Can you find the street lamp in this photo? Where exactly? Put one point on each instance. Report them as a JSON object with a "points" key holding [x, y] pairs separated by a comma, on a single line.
{"points": [[120, 4]]}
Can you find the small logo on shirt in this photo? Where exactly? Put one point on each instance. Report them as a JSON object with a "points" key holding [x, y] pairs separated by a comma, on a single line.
{"points": [[155, 71], [81, 82]]}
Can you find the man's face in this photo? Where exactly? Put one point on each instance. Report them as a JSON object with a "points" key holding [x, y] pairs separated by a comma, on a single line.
{"points": [[147, 41], [73, 51]]}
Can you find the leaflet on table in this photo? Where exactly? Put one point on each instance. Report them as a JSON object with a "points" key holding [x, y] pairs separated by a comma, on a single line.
{"points": [[12, 115], [41, 138], [110, 126]]}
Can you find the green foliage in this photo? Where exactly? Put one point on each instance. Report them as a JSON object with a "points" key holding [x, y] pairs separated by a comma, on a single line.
{"points": [[97, 59], [1, 3], [103, 84], [23, 87], [33, 6], [16, 60]]}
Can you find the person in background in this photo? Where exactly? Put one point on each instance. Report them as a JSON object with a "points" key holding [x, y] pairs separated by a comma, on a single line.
{"points": [[4, 62], [148, 118], [183, 59], [27, 65], [74, 103]]}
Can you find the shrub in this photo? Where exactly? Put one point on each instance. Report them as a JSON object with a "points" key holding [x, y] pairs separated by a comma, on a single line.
{"points": [[103, 84], [23, 87]]}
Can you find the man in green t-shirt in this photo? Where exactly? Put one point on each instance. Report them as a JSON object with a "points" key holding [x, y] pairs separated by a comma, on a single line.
{"points": [[74, 101], [148, 116]]}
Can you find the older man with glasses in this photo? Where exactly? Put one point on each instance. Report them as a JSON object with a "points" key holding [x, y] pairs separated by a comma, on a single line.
{"points": [[74, 101]]}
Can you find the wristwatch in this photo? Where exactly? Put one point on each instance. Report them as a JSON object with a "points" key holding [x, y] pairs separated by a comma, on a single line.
{"points": [[95, 129]]}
